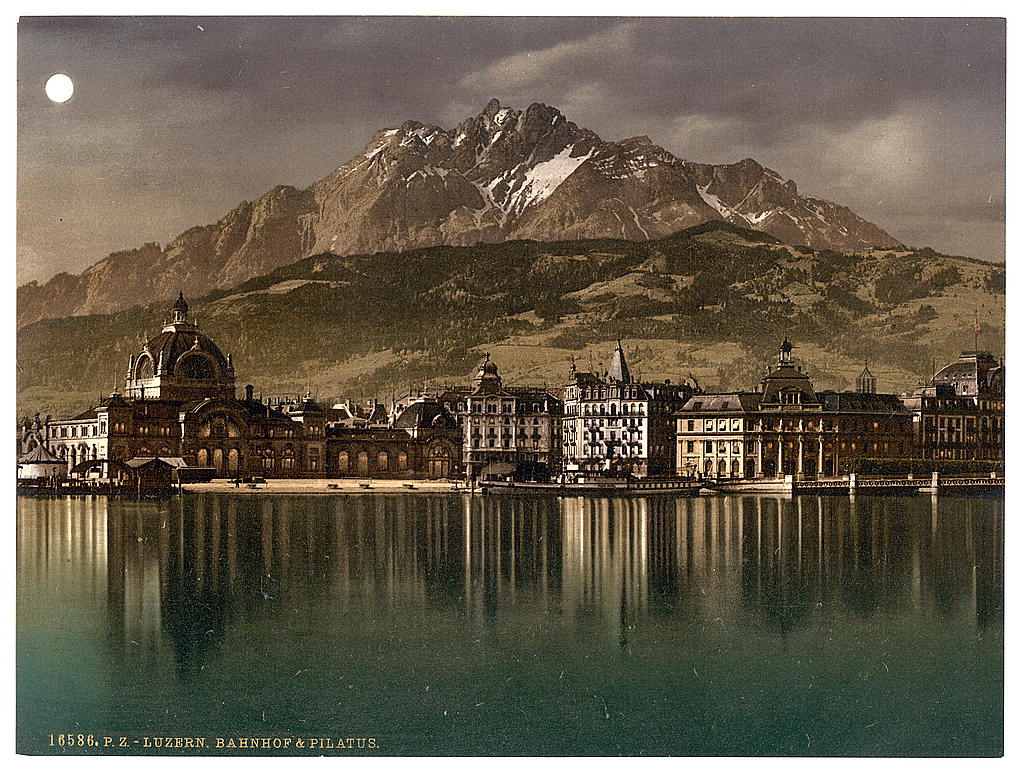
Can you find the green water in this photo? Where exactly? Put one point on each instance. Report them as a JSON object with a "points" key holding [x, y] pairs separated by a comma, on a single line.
{"points": [[469, 625]]}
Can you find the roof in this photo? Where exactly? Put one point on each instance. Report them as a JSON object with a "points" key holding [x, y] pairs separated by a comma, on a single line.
{"points": [[176, 463], [618, 371], [39, 454], [723, 402], [425, 414], [86, 465], [832, 401], [498, 469], [306, 406], [584, 378], [787, 377], [972, 373], [175, 340]]}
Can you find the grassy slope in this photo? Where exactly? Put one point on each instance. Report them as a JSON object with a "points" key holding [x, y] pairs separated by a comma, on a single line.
{"points": [[713, 301]]}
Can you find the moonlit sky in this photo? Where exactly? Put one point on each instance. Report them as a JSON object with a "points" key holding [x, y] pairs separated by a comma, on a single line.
{"points": [[171, 125]]}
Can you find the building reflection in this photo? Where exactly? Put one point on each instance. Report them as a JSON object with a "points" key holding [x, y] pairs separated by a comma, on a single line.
{"points": [[174, 577]]}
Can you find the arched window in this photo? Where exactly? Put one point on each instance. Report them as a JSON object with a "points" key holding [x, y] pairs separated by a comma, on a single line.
{"points": [[144, 367], [382, 461], [201, 458], [194, 367], [403, 461], [343, 462]]}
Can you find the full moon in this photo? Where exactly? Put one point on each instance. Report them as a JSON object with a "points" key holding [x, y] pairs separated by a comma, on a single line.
{"points": [[59, 88]]}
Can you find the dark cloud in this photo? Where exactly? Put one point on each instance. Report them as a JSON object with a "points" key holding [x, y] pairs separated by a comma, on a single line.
{"points": [[902, 120]]}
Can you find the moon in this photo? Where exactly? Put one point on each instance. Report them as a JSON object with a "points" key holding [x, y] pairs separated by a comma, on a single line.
{"points": [[60, 88]]}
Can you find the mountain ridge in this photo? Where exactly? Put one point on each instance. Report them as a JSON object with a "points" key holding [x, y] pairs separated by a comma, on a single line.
{"points": [[500, 175], [712, 300]]}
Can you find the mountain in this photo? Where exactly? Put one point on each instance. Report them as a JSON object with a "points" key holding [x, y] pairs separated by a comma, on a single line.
{"points": [[503, 174], [713, 300]]}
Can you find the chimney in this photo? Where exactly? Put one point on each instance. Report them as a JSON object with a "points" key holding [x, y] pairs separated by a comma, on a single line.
{"points": [[248, 392]]}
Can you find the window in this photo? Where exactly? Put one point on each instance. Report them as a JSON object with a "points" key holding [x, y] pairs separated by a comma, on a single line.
{"points": [[709, 447], [709, 425], [689, 425]]}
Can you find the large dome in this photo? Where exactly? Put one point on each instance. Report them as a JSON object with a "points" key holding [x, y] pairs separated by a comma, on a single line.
{"points": [[973, 373], [203, 358], [180, 364]]}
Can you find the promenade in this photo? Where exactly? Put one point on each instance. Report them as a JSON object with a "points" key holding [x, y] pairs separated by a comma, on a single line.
{"points": [[334, 486]]}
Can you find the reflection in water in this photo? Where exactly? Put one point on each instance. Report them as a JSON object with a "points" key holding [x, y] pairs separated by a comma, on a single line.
{"points": [[172, 578], [180, 572]]}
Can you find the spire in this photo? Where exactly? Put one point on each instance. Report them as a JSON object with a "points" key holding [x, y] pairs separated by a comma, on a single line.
{"points": [[866, 382], [180, 309], [619, 371]]}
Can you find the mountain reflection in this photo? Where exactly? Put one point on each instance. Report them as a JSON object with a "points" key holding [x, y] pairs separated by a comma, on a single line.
{"points": [[177, 575]]}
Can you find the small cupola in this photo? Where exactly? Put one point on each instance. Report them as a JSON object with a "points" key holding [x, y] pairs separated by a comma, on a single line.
{"points": [[180, 310]]}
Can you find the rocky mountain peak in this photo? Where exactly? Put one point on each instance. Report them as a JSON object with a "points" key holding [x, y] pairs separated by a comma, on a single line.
{"points": [[493, 107], [504, 173]]}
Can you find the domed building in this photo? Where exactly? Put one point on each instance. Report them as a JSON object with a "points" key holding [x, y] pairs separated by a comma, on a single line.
{"points": [[505, 429], [787, 427], [179, 402], [180, 364], [960, 413]]}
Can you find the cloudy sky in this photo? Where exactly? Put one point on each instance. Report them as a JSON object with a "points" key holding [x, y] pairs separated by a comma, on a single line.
{"points": [[174, 121]]}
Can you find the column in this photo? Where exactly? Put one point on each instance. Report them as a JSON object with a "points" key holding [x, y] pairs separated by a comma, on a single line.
{"points": [[779, 470], [821, 456], [800, 455], [760, 457]]}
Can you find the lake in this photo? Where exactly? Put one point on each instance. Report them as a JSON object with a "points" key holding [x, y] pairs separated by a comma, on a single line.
{"points": [[491, 625]]}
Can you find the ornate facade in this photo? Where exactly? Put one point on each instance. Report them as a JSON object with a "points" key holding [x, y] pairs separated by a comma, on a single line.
{"points": [[179, 401], [423, 441], [787, 428], [513, 426], [616, 424], [960, 414]]}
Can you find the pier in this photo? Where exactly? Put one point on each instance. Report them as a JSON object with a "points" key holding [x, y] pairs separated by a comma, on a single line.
{"points": [[854, 484]]}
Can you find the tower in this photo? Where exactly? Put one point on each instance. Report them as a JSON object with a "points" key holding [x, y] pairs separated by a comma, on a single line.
{"points": [[866, 381], [487, 379], [618, 371]]}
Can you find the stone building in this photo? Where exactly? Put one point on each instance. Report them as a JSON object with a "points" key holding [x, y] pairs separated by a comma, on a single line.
{"points": [[505, 429], [614, 423], [786, 427], [960, 414], [179, 401], [423, 441]]}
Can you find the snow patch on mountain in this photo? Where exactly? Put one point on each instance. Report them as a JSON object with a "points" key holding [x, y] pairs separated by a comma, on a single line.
{"points": [[713, 201], [543, 178]]}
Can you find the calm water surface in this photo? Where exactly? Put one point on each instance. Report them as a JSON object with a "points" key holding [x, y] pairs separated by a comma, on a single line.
{"points": [[476, 625]]}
